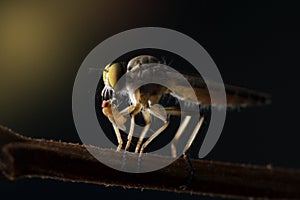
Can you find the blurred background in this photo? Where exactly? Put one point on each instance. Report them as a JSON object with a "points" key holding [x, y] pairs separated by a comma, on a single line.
{"points": [[255, 45]]}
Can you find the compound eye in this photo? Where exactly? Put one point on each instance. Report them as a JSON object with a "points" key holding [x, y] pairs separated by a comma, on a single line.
{"points": [[107, 94], [112, 73], [115, 72]]}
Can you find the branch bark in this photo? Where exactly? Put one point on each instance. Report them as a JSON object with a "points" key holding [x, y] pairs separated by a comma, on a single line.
{"points": [[26, 157]]}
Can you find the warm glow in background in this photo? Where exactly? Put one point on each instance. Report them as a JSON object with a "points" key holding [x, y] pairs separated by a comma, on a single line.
{"points": [[43, 45], [254, 45]]}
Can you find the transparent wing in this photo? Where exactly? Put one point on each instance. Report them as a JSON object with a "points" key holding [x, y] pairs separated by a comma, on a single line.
{"points": [[236, 96], [159, 112]]}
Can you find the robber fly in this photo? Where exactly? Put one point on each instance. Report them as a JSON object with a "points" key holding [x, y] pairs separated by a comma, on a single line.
{"points": [[145, 99]]}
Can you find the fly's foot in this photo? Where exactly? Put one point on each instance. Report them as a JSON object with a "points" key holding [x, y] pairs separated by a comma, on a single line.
{"points": [[191, 172]]}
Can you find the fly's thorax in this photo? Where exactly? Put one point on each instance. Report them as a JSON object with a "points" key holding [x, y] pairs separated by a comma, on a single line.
{"points": [[139, 60], [150, 94]]}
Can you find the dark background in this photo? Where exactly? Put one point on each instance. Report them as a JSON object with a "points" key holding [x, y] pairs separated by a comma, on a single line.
{"points": [[254, 44]]}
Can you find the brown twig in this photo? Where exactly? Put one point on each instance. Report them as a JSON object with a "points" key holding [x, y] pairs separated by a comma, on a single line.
{"points": [[26, 157]]}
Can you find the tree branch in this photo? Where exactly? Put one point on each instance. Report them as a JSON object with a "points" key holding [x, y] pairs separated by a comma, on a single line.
{"points": [[26, 157]]}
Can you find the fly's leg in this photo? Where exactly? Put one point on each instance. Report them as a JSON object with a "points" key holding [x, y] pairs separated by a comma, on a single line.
{"points": [[134, 110], [157, 111], [157, 133], [127, 110], [178, 135], [193, 136], [129, 137], [147, 118], [186, 153], [130, 134], [107, 111], [119, 138], [190, 169]]}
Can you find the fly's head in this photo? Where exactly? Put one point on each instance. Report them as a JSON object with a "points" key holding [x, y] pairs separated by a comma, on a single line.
{"points": [[111, 74]]}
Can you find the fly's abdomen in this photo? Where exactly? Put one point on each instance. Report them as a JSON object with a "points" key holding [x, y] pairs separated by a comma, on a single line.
{"points": [[237, 96]]}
